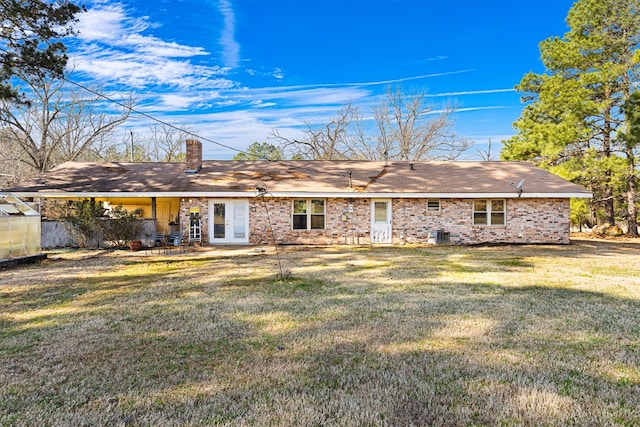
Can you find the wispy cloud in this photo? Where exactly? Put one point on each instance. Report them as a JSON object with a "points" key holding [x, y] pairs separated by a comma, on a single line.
{"points": [[107, 22], [335, 94], [118, 48], [230, 47], [364, 84], [471, 92], [306, 96], [114, 49], [278, 73], [177, 101], [430, 59], [484, 108], [186, 84]]}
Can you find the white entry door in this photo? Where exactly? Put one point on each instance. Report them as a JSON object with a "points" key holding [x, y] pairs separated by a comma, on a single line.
{"points": [[228, 221], [381, 221]]}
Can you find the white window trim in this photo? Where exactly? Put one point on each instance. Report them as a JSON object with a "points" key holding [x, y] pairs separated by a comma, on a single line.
{"points": [[488, 212], [309, 213]]}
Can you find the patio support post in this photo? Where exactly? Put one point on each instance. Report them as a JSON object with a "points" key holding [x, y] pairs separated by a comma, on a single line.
{"points": [[153, 211]]}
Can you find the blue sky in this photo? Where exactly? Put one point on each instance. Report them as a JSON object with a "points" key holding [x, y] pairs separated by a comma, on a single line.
{"points": [[233, 70]]}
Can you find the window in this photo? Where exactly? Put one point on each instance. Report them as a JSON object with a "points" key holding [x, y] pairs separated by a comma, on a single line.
{"points": [[488, 212], [433, 205], [308, 214], [479, 212], [300, 216], [497, 212], [380, 212]]}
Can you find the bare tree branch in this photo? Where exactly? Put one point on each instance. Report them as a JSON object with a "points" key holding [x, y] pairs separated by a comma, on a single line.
{"points": [[327, 142], [59, 124], [166, 143], [405, 127]]}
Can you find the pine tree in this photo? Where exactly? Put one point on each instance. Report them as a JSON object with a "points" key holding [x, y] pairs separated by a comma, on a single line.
{"points": [[574, 109], [30, 41], [631, 141]]}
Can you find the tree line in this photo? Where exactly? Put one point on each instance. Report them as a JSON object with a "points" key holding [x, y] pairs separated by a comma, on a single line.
{"points": [[581, 118]]}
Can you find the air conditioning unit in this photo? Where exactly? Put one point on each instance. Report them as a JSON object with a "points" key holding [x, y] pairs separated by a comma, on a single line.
{"points": [[438, 237]]}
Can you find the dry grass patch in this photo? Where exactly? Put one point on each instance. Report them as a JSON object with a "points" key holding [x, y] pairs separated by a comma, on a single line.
{"points": [[512, 335]]}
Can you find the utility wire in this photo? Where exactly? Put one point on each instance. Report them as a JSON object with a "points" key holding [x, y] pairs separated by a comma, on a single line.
{"points": [[164, 123], [172, 126], [148, 116]]}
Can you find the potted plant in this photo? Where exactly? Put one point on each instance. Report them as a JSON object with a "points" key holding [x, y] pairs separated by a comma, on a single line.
{"points": [[135, 245]]}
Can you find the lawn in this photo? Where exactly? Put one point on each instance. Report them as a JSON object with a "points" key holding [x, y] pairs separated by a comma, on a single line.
{"points": [[507, 335]]}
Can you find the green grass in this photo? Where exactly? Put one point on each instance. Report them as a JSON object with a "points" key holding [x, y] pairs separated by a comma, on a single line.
{"points": [[509, 335]]}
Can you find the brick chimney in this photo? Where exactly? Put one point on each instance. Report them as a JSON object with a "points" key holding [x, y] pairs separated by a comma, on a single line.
{"points": [[193, 157]]}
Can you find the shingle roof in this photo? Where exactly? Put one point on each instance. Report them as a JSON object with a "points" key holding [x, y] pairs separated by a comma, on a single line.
{"points": [[224, 177]]}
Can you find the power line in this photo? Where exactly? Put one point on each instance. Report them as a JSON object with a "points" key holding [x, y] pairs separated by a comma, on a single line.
{"points": [[135, 111], [185, 131], [148, 116], [164, 123]]}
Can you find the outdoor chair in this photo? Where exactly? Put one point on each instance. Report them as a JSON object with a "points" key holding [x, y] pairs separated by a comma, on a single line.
{"points": [[176, 241], [158, 240]]}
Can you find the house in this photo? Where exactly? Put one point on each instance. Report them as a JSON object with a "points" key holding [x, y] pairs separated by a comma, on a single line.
{"points": [[327, 202]]}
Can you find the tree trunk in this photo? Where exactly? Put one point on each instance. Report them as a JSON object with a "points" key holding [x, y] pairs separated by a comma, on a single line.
{"points": [[609, 211], [632, 191], [632, 215], [593, 210]]}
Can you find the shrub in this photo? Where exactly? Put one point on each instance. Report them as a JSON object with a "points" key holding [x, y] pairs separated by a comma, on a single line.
{"points": [[79, 218], [121, 226], [88, 224]]}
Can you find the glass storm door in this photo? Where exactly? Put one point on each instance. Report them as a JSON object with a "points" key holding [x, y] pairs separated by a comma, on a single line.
{"points": [[229, 221], [381, 221]]}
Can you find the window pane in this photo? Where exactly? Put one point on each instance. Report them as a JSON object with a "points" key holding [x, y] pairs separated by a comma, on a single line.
{"points": [[433, 205], [239, 222], [218, 212], [317, 206], [479, 205], [300, 222], [497, 206], [497, 218], [219, 220], [317, 222], [479, 218], [380, 211], [299, 206]]}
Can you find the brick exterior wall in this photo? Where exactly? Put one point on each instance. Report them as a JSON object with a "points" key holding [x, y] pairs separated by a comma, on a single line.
{"points": [[527, 221], [352, 228], [203, 204], [348, 221]]}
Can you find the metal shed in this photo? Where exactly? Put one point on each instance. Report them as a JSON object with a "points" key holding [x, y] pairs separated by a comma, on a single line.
{"points": [[19, 229]]}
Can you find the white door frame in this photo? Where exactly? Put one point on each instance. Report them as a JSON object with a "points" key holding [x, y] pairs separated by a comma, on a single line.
{"points": [[381, 232], [232, 207]]}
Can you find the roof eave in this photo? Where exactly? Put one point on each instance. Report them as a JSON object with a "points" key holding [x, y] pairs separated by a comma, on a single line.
{"points": [[306, 194]]}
